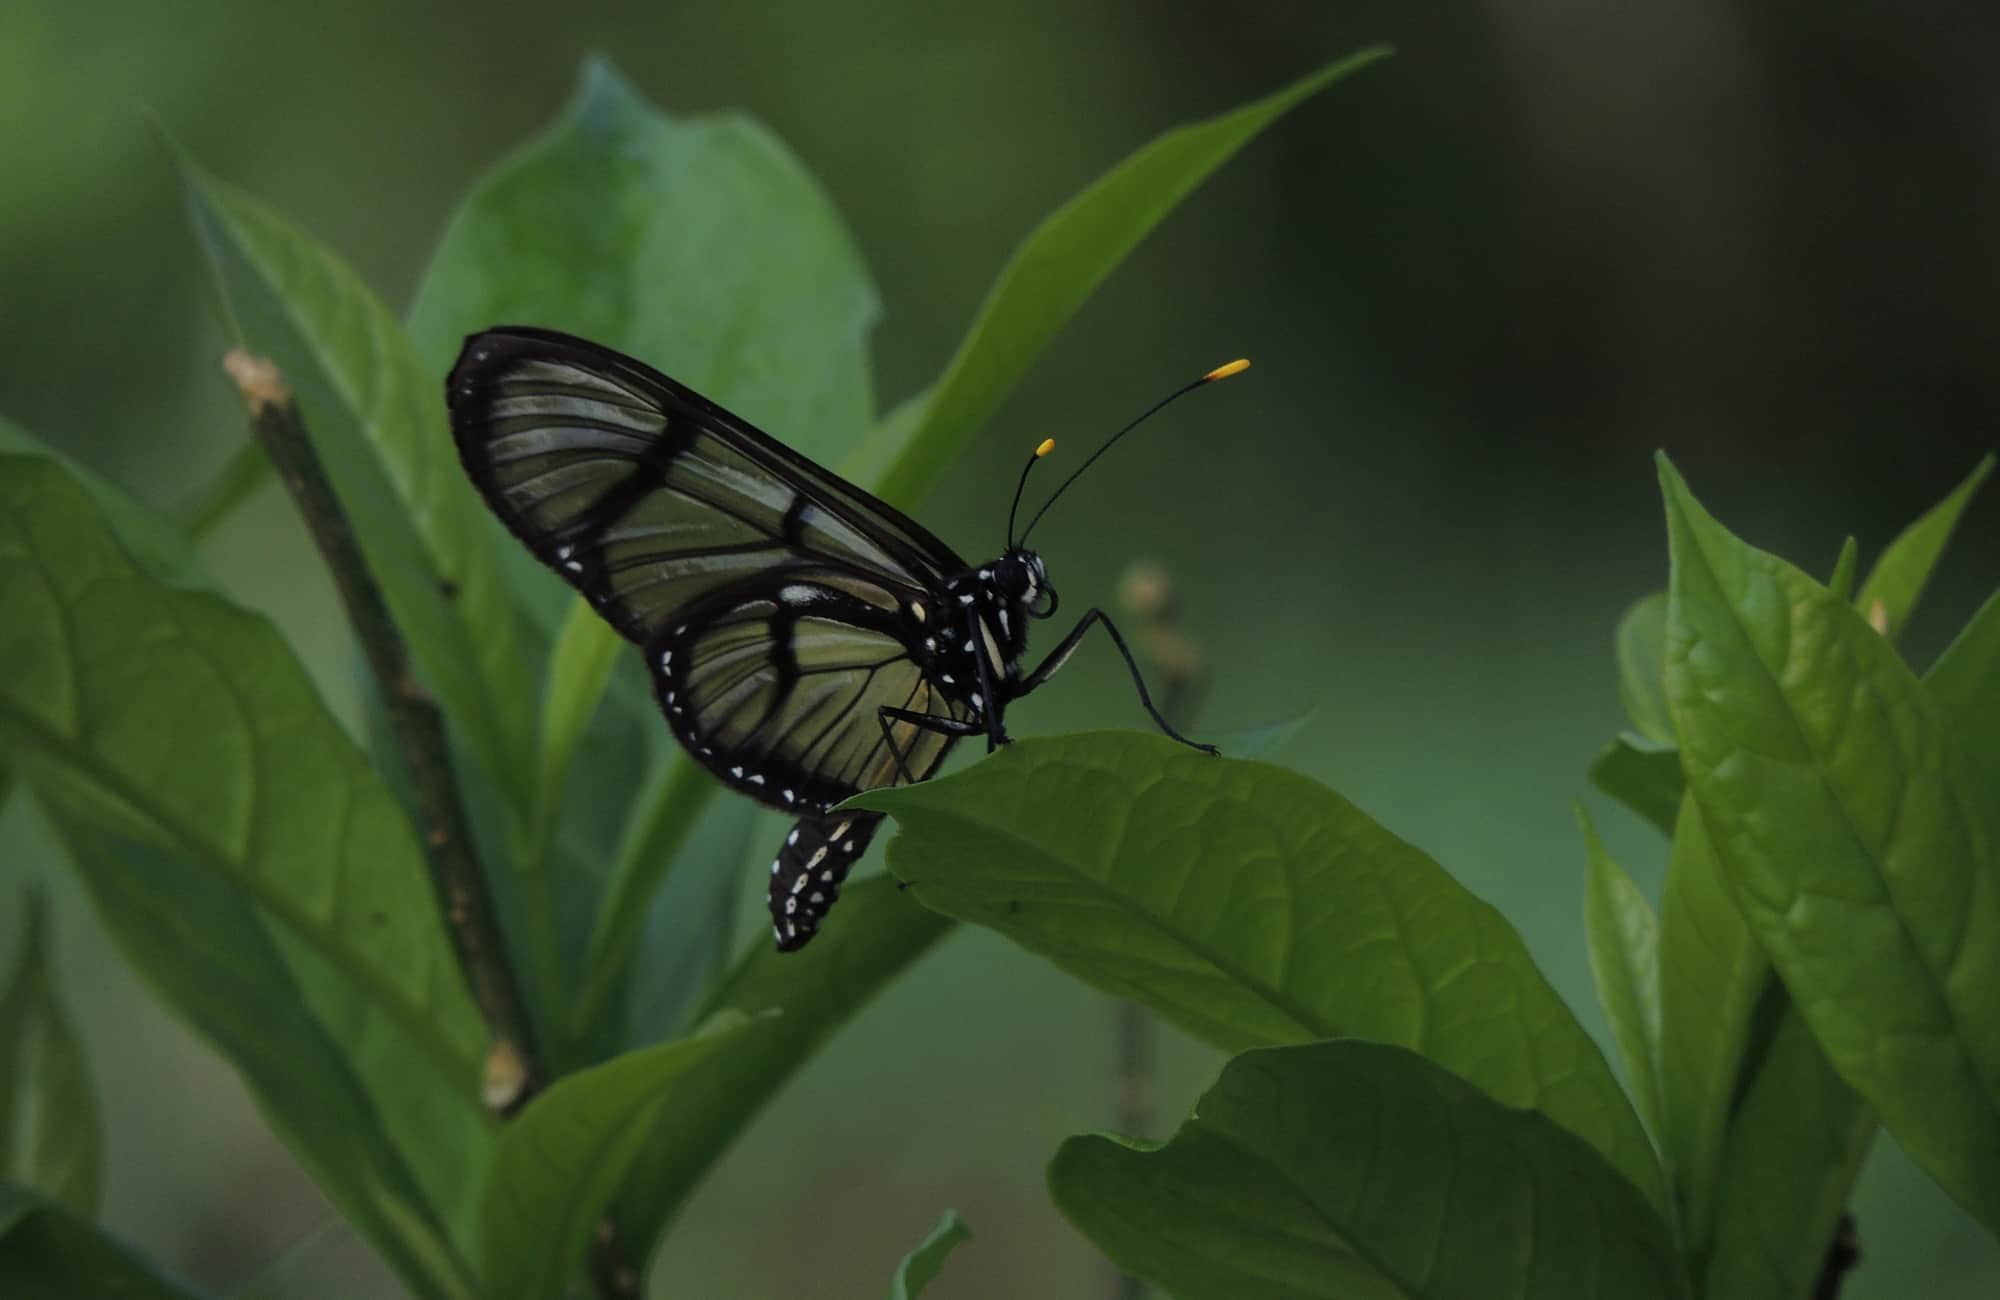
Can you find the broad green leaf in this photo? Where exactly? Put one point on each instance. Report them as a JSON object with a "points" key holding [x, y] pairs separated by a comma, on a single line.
{"points": [[1855, 834], [187, 723], [1845, 567], [1054, 272], [1796, 1143], [1643, 776], [155, 544], [1624, 939], [1962, 681], [561, 1159], [1642, 681], [1252, 907], [814, 992], [923, 1264], [700, 245], [377, 420], [51, 1135], [1353, 1169], [1898, 579], [1713, 976], [49, 1253], [204, 950]]}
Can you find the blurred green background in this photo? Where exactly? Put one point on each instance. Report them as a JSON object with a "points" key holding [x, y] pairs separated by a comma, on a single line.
{"points": [[1481, 283]]}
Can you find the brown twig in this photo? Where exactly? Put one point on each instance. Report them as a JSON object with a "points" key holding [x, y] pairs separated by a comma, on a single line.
{"points": [[513, 1069]]}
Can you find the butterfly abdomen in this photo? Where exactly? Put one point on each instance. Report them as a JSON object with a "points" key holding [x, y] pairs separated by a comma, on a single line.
{"points": [[807, 873]]}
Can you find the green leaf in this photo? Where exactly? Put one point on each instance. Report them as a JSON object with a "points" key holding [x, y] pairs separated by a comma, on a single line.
{"points": [[1845, 566], [561, 1159], [51, 1135], [49, 1253], [704, 247], [699, 245], [1251, 906], [1962, 682], [924, 1263], [204, 951], [814, 991], [1348, 1169], [156, 545], [1624, 939], [1642, 675], [378, 424], [1855, 836], [1898, 579], [1643, 776], [1796, 1143], [1054, 272], [187, 723], [1713, 976]]}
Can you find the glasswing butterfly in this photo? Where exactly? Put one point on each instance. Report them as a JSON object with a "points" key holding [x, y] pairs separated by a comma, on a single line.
{"points": [[806, 641]]}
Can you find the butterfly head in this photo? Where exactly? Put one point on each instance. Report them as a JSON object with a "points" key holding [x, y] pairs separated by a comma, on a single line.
{"points": [[1022, 579]]}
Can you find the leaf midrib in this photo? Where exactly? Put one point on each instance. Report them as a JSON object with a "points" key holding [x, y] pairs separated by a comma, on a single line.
{"points": [[408, 1016], [1312, 1022]]}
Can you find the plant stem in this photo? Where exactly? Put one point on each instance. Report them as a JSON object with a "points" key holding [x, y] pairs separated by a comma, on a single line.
{"points": [[1146, 593], [1841, 1257], [418, 727]]}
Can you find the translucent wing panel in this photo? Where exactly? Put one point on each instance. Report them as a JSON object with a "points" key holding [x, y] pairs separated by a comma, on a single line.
{"points": [[647, 497], [779, 693]]}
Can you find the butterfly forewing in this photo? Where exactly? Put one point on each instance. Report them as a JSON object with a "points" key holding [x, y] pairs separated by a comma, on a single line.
{"points": [[646, 496]]}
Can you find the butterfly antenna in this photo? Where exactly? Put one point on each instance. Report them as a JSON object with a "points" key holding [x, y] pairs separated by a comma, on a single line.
{"points": [[1048, 445], [1220, 372]]}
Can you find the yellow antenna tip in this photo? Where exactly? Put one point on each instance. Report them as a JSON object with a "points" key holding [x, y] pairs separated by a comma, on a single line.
{"points": [[1235, 367], [1048, 445]]}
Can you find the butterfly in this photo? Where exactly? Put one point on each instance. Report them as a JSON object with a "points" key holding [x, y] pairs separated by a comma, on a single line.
{"points": [[806, 641]]}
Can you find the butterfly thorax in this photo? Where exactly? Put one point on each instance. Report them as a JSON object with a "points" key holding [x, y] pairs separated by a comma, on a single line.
{"points": [[973, 644]]}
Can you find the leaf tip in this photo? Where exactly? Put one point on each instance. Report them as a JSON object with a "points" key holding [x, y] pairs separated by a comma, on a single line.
{"points": [[602, 91]]}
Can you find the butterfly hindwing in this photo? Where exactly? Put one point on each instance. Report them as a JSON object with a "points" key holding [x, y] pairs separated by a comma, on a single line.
{"points": [[777, 686]]}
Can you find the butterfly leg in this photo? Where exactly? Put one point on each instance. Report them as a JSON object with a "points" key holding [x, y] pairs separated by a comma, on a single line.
{"points": [[1060, 656], [939, 723], [989, 699]]}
